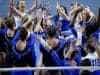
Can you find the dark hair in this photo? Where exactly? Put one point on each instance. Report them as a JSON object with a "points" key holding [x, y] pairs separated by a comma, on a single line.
{"points": [[42, 23], [17, 3], [87, 16], [85, 72], [2, 23], [10, 22], [64, 9], [52, 31], [90, 47], [75, 16], [29, 25], [25, 19], [23, 34], [85, 62], [73, 54]]}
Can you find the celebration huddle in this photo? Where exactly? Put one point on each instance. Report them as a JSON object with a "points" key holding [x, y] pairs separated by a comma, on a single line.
{"points": [[38, 41]]}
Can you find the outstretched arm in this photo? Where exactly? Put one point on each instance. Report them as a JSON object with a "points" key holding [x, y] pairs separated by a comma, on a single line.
{"points": [[18, 12], [34, 5], [62, 11], [11, 3]]}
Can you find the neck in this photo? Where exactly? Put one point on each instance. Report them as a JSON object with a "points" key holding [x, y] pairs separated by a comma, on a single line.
{"points": [[22, 11], [56, 41]]}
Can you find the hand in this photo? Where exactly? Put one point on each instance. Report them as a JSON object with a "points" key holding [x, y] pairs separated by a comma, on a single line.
{"points": [[62, 10], [58, 6], [70, 51], [11, 4]]}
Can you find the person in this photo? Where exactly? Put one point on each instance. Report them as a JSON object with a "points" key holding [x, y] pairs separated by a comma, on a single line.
{"points": [[76, 23], [53, 50], [29, 27], [74, 14], [97, 61], [53, 43], [20, 6], [19, 12], [41, 28], [62, 22], [91, 50], [89, 20], [23, 53], [7, 33]]}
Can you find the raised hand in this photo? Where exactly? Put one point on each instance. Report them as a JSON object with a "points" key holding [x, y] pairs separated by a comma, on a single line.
{"points": [[70, 51], [58, 5], [11, 5]]}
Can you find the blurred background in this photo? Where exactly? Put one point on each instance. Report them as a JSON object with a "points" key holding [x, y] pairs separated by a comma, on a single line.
{"points": [[51, 4]]}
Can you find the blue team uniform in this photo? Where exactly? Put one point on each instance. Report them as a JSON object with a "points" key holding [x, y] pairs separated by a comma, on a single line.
{"points": [[65, 62], [96, 62], [56, 58], [47, 58], [64, 28], [4, 39], [5, 45], [97, 35], [25, 58]]}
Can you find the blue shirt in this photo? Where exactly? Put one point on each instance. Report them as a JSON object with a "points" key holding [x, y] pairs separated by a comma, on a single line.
{"points": [[29, 47], [26, 58], [97, 35], [47, 57], [64, 28], [64, 62], [63, 24], [6, 41]]}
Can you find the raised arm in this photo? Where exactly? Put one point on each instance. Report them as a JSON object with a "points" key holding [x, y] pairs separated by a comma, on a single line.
{"points": [[18, 12], [62, 11], [34, 5], [11, 4]]}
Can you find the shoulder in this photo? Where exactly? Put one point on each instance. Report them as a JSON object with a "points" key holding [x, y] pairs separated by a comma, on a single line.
{"points": [[3, 31], [63, 42]]}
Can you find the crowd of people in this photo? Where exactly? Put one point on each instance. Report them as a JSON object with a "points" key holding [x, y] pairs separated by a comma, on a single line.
{"points": [[35, 38]]}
